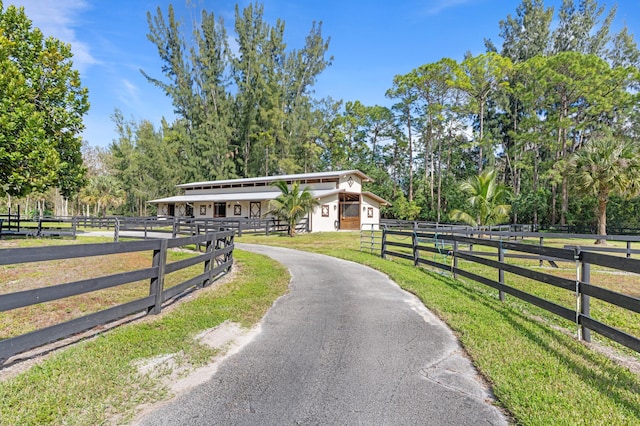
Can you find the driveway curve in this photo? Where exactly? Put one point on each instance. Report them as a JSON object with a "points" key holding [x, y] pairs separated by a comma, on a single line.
{"points": [[345, 346]]}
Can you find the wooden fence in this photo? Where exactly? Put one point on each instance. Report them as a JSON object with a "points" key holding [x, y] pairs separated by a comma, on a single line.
{"points": [[446, 249], [556, 229], [12, 225], [239, 225], [217, 260]]}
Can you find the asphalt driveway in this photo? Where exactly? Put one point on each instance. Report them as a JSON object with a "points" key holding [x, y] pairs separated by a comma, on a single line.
{"points": [[346, 346]]}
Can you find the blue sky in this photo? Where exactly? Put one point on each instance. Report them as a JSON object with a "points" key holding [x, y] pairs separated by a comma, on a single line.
{"points": [[371, 41]]}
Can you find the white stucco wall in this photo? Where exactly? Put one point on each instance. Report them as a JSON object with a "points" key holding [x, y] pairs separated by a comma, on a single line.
{"points": [[325, 224], [368, 203], [356, 183]]}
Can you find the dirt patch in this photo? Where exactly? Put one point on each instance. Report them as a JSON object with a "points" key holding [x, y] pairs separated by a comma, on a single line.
{"points": [[227, 338]]}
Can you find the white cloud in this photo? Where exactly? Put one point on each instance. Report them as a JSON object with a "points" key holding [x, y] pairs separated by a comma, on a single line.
{"points": [[438, 6], [59, 19], [129, 94]]}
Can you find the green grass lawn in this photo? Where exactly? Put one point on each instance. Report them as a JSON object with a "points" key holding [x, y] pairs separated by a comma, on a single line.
{"points": [[540, 373], [97, 380]]}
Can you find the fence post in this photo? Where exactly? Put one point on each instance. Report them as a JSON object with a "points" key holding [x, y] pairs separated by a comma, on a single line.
{"points": [[501, 271], [455, 258], [157, 284], [383, 245], [116, 230], [628, 249], [74, 227], [209, 248], [541, 245], [373, 242], [416, 253], [585, 299]]}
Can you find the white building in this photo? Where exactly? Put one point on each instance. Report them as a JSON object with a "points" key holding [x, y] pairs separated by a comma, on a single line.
{"points": [[343, 204]]}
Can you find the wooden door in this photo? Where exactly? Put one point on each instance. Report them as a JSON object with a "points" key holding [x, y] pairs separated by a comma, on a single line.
{"points": [[350, 211]]}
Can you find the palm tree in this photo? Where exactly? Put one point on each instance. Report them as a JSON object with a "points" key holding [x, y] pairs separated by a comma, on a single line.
{"points": [[487, 200], [605, 166], [292, 204]]}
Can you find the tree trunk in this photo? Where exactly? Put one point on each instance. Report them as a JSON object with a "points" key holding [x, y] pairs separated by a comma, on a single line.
{"points": [[565, 201], [410, 156], [481, 154], [439, 165], [602, 219], [535, 185], [553, 203]]}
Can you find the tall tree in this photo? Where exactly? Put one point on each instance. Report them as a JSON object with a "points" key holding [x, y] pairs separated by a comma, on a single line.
{"points": [[42, 103], [580, 29], [606, 166], [405, 92], [246, 112], [527, 34], [251, 36], [480, 77], [196, 80], [433, 83]]}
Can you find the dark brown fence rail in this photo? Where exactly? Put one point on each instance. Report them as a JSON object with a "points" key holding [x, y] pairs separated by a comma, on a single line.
{"points": [[415, 246], [524, 227], [12, 225], [216, 259], [239, 225]]}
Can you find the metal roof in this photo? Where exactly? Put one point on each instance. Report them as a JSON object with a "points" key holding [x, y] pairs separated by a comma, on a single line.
{"points": [[238, 196], [303, 176]]}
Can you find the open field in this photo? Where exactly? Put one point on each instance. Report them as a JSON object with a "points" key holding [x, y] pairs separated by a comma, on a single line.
{"points": [[14, 278]]}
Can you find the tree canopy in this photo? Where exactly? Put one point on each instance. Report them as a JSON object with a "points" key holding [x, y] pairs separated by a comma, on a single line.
{"points": [[42, 103]]}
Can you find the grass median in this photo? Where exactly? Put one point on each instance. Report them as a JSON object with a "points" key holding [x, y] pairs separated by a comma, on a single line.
{"points": [[98, 380], [539, 372]]}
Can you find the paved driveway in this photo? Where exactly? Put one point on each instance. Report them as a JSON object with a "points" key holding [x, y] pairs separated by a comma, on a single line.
{"points": [[346, 346]]}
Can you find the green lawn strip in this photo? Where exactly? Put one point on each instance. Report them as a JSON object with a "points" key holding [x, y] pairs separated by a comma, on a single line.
{"points": [[88, 383], [540, 374]]}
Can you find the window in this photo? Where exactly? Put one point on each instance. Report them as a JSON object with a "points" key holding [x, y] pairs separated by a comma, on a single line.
{"points": [[237, 210], [203, 210], [220, 210], [350, 209], [325, 210], [369, 211]]}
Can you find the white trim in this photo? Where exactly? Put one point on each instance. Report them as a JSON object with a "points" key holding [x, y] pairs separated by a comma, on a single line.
{"points": [[237, 196]]}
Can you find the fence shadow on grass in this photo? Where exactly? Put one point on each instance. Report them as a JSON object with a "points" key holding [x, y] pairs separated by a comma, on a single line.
{"points": [[594, 370]]}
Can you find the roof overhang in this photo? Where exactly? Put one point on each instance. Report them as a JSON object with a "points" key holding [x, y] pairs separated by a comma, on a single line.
{"points": [[373, 196], [237, 196]]}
